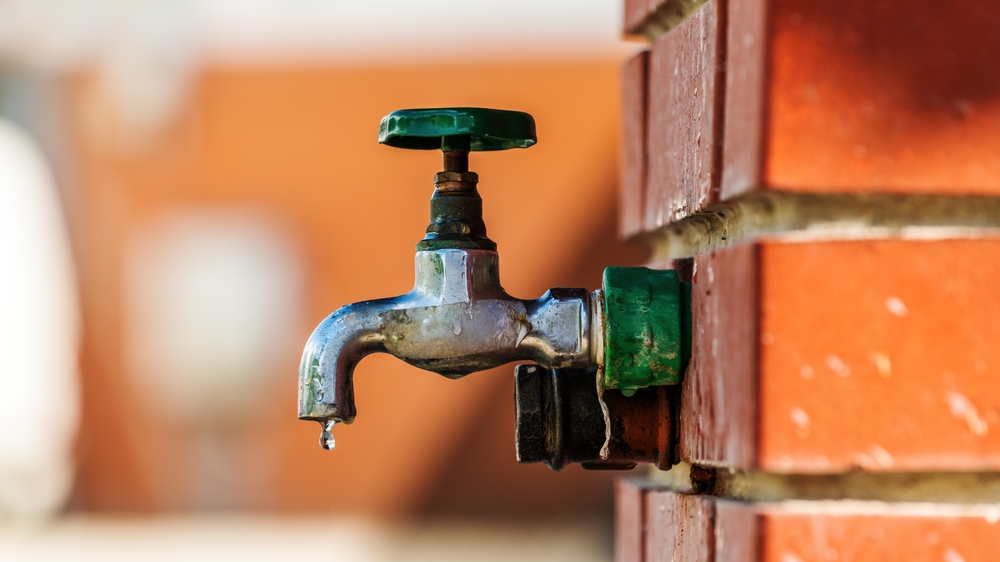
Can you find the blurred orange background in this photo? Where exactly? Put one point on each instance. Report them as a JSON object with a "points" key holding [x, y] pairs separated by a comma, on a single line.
{"points": [[299, 143], [223, 191]]}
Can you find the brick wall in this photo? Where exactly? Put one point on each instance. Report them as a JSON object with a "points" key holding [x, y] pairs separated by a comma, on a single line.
{"points": [[832, 168]]}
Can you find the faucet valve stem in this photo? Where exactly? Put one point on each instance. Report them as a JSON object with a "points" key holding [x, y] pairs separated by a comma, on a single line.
{"points": [[456, 160]]}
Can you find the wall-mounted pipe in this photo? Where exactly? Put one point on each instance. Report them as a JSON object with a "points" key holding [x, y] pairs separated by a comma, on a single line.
{"points": [[560, 420]]}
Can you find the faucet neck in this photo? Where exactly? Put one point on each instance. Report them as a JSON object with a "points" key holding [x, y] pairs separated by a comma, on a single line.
{"points": [[456, 208], [458, 275]]}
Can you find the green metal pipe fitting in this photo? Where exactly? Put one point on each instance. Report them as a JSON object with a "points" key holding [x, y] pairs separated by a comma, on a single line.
{"points": [[647, 328]]}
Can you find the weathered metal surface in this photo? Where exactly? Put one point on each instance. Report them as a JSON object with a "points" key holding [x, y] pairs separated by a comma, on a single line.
{"points": [[456, 210], [559, 421], [644, 328], [456, 320], [455, 161], [462, 128]]}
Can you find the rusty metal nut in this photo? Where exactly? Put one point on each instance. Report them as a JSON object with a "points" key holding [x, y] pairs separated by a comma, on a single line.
{"points": [[468, 177]]}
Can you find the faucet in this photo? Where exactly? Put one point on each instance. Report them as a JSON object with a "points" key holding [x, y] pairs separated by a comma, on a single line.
{"points": [[458, 319]]}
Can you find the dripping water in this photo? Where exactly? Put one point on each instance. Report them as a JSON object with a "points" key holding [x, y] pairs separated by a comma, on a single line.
{"points": [[326, 439]]}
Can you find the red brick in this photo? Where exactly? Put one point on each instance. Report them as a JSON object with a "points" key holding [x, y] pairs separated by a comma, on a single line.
{"points": [[680, 527], [848, 531], [832, 356], [633, 168], [880, 355], [878, 532], [685, 96], [851, 96], [737, 532], [743, 121], [718, 419], [630, 520], [688, 528]]}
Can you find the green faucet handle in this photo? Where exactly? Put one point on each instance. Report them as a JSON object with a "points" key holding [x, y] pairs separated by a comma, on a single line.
{"points": [[457, 128]]}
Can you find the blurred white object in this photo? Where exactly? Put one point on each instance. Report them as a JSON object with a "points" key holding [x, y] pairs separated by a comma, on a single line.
{"points": [[58, 33], [39, 335], [147, 53], [401, 31], [277, 539], [213, 309]]}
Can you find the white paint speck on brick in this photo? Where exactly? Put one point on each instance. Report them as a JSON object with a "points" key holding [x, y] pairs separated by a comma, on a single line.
{"points": [[962, 408], [881, 456], [837, 365], [896, 306], [884, 365], [952, 555], [800, 417]]}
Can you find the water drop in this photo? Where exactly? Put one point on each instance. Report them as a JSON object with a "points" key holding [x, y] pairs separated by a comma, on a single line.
{"points": [[326, 439], [457, 329]]}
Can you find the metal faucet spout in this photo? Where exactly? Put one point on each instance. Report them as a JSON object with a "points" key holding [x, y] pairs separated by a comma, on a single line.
{"points": [[456, 320], [326, 374]]}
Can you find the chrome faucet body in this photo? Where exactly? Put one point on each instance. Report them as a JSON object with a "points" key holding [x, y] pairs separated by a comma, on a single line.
{"points": [[456, 320], [632, 333]]}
